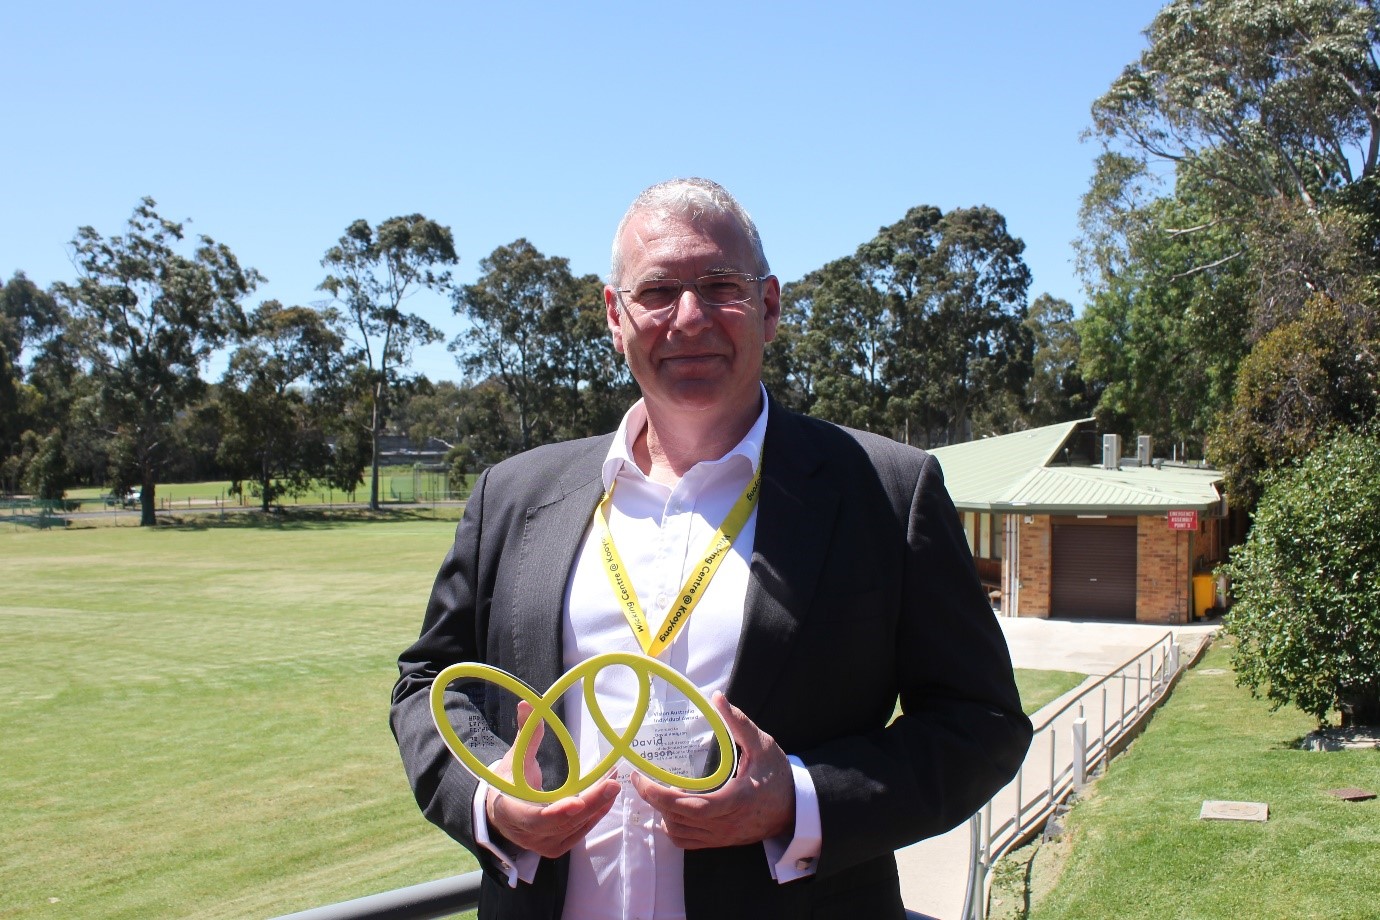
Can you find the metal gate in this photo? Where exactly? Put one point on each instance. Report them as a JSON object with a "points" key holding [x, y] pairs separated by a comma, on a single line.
{"points": [[1094, 572]]}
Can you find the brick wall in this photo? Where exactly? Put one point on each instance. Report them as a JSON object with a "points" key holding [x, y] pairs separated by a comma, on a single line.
{"points": [[1035, 560], [1164, 559]]}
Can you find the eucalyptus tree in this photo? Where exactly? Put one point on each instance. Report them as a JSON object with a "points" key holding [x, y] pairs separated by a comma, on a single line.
{"points": [[1261, 99], [1056, 391], [372, 271], [841, 337], [28, 315], [954, 286], [1269, 112], [1165, 329], [146, 316], [29, 318], [1265, 115], [276, 409], [539, 331]]}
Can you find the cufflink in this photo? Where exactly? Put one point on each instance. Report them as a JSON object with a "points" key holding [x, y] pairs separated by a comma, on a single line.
{"points": [[802, 864]]}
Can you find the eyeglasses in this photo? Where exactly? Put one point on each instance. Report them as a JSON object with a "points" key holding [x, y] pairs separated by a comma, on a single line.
{"points": [[656, 298]]}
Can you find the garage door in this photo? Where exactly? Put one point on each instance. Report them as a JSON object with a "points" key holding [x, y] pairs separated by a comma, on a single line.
{"points": [[1094, 572]]}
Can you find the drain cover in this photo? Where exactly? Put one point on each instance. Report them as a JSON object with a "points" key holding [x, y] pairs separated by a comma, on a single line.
{"points": [[1234, 811]]}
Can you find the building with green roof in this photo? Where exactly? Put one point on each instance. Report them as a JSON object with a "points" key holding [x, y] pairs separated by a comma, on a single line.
{"points": [[1062, 524]]}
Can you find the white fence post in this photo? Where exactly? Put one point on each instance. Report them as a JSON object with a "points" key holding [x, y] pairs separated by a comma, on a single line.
{"points": [[1080, 752]]}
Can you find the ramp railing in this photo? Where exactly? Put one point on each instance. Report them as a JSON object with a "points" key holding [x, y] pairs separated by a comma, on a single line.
{"points": [[1069, 744]]}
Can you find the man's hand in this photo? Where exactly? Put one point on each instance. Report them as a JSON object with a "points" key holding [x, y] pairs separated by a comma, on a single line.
{"points": [[756, 803], [549, 830]]}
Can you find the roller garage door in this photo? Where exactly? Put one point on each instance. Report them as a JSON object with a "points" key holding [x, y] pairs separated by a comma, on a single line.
{"points": [[1094, 572]]}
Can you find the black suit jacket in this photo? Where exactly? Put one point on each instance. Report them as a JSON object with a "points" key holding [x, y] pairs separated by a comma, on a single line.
{"points": [[861, 590]]}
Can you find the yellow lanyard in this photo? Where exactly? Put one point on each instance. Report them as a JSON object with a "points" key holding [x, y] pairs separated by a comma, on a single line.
{"points": [[694, 586]]}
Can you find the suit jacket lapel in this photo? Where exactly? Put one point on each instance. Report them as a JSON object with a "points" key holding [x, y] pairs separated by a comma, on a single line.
{"points": [[795, 523], [551, 534]]}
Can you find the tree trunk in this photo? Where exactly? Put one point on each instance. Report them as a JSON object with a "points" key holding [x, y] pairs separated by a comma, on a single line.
{"points": [[146, 504], [374, 426]]}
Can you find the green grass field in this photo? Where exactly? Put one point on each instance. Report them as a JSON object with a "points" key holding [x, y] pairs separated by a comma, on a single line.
{"points": [[194, 719], [1135, 847], [1041, 687]]}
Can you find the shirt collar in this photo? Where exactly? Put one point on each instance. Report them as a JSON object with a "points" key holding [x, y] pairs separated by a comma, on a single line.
{"points": [[635, 419]]}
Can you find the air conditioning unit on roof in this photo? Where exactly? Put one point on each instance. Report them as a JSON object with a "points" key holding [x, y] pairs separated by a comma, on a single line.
{"points": [[1111, 451]]}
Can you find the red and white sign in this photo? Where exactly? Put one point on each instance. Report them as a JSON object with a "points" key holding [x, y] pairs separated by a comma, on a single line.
{"points": [[1183, 520]]}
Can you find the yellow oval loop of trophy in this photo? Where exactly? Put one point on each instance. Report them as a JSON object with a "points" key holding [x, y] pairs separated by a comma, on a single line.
{"points": [[542, 709], [645, 668], [541, 712]]}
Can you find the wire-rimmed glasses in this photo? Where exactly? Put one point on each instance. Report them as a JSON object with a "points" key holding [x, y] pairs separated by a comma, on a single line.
{"points": [[655, 298]]}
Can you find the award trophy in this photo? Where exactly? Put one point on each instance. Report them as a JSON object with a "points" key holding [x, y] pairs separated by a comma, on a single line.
{"points": [[669, 733]]}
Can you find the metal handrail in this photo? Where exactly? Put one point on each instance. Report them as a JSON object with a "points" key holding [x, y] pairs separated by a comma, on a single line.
{"points": [[428, 901], [1027, 817]]}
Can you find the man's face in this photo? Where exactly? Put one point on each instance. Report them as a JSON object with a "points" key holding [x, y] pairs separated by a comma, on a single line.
{"points": [[701, 357]]}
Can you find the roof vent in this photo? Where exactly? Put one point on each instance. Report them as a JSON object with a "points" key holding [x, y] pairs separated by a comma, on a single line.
{"points": [[1111, 451], [1143, 452]]}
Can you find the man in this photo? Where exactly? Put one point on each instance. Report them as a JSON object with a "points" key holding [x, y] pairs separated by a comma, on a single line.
{"points": [[847, 585]]}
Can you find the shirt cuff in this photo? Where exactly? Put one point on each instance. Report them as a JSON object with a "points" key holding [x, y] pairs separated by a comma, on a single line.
{"points": [[521, 865], [791, 858]]}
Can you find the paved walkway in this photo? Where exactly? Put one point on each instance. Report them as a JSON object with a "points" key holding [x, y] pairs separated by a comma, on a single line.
{"points": [[934, 872]]}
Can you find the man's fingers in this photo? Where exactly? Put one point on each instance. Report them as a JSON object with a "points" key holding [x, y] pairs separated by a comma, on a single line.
{"points": [[757, 802], [551, 830], [747, 737]]}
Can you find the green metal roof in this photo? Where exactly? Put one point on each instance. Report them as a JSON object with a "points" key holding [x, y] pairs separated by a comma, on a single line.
{"points": [[1018, 474]]}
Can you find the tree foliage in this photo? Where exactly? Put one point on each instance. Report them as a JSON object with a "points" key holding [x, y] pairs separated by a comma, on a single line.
{"points": [[371, 273], [838, 329], [1261, 99], [1056, 391], [915, 332], [1267, 115], [28, 315], [277, 409], [147, 316], [539, 332], [31, 320], [1166, 327], [1307, 585], [1302, 381]]}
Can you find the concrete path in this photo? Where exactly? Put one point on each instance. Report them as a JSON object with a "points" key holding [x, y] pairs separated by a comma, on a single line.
{"points": [[934, 872]]}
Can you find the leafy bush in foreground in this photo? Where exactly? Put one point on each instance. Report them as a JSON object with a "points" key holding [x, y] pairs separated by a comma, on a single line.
{"points": [[1307, 585]]}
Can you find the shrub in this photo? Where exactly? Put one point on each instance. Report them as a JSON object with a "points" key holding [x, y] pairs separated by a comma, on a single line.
{"points": [[1307, 584]]}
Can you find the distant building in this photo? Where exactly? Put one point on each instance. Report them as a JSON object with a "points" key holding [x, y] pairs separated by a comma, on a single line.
{"points": [[1061, 524]]}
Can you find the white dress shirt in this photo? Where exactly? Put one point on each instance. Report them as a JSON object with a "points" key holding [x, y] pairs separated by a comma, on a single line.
{"points": [[626, 868]]}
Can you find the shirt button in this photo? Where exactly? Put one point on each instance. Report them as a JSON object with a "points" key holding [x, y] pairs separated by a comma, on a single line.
{"points": [[662, 602]]}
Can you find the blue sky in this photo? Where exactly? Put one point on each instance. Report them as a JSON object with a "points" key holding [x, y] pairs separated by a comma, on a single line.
{"points": [[272, 126]]}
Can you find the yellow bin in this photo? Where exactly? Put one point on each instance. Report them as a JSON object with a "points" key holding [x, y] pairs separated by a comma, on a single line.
{"points": [[1204, 593]]}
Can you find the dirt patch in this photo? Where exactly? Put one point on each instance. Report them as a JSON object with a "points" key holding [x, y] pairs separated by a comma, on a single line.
{"points": [[1024, 876]]}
